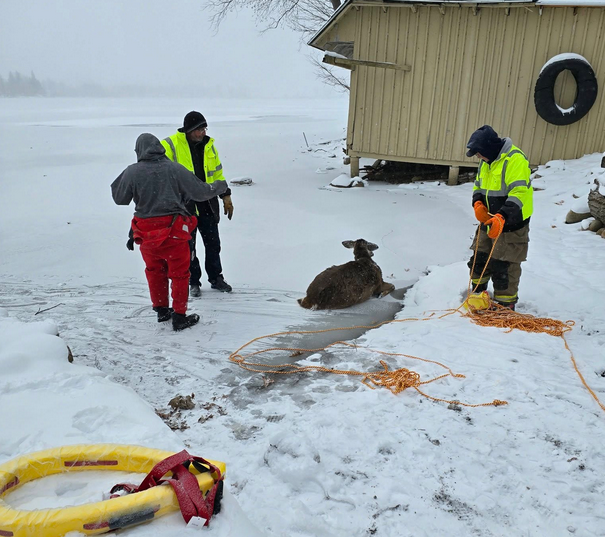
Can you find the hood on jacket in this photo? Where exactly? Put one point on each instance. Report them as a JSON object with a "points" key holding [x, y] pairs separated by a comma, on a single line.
{"points": [[148, 147]]}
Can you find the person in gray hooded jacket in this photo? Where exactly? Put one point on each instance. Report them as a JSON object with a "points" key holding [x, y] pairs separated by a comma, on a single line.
{"points": [[162, 226]]}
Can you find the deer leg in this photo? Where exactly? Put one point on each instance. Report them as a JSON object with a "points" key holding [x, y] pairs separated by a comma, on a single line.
{"points": [[386, 288]]}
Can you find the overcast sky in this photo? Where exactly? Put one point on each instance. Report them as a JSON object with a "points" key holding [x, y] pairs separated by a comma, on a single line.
{"points": [[119, 42]]}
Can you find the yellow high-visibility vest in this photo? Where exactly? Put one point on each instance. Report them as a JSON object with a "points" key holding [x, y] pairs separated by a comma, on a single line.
{"points": [[506, 179], [177, 150]]}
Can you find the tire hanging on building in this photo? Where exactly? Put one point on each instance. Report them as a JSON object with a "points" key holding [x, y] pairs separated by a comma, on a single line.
{"points": [[586, 93]]}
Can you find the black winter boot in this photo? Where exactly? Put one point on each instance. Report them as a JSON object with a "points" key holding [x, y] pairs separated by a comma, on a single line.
{"points": [[164, 313], [499, 305], [220, 284], [195, 291], [180, 321], [479, 288]]}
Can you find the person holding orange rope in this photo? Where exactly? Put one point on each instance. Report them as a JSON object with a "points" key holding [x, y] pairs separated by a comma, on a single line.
{"points": [[503, 204]]}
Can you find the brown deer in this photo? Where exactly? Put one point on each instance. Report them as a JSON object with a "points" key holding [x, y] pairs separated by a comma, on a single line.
{"points": [[342, 286]]}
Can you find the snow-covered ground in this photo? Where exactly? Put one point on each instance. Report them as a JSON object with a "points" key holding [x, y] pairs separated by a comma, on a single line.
{"points": [[307, 454]]}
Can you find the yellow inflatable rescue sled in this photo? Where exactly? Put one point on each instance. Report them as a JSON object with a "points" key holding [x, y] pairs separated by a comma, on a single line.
{"points": [[197, 482]]}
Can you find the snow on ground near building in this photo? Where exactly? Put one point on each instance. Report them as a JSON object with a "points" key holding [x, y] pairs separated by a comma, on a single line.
{"points": [[306, 454]]}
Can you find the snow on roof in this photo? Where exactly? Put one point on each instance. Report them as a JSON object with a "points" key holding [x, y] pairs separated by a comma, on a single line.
{"points": [[576, 3], [572, 3], [464, 1]]}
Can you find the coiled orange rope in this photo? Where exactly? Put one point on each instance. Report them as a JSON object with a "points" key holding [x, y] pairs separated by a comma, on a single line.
{"points": [[501, 317]]}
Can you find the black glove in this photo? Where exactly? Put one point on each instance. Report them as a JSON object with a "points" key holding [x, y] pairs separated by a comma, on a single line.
{"points": [[130, 244]]}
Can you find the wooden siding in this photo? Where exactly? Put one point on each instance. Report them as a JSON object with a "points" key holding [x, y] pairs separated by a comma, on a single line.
{"points": [[469, 67]]}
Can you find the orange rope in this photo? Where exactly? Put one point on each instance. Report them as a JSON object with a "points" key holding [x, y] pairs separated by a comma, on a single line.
{"points": [[501, 317], [399, 380], [395, 381]]}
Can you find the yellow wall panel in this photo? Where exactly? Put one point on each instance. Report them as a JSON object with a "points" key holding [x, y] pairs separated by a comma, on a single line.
{"points": [[469, 67]]}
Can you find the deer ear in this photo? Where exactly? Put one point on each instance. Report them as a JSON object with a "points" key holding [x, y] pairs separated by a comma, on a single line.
{"points": [[348, 244], [372, 246]]}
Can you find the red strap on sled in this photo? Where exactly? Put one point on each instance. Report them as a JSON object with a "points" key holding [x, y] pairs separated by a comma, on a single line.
{"points": [[191, 500]]}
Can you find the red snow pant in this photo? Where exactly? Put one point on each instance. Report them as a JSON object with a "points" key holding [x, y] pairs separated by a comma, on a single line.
{"points": [[165, 250]]}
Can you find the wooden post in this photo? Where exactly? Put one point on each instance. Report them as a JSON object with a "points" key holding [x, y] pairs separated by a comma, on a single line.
{"points": [[354, 166], [452, 177]]}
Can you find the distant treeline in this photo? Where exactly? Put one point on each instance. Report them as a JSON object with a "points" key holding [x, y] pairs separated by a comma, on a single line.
{"points": [[18, 85]]}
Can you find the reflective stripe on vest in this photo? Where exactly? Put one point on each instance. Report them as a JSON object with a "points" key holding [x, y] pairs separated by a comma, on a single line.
{"points": [[218, 169], [171, 144]]}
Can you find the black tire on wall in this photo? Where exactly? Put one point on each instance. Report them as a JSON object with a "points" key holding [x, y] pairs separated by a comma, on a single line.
{"points": [[586, 94]]}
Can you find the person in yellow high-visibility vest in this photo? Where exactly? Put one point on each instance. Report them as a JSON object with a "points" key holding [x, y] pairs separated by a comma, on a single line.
{"points": [[503, 204], [194, 149]]}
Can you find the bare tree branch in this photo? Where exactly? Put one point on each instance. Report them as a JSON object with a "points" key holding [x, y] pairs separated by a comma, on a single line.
{"points": [[47, 309], [327, 76], [303, 16], [220, 8], [284, 16]]}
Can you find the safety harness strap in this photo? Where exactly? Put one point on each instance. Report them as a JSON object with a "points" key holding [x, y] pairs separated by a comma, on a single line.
{"points": [[191, 500]]}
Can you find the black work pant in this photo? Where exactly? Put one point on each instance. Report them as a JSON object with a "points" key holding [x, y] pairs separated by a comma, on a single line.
{"points": [[208, 228], [504, 267]]}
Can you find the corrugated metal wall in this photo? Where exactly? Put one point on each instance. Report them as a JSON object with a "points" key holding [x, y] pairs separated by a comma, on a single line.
{"points": [[468, 68]]}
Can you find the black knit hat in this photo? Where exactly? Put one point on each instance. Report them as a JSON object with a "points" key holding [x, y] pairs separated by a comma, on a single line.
{"points": [[193, 120], [486, 141]]}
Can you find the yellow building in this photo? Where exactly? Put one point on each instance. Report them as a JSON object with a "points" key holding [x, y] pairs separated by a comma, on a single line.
{"points": [[425, 75]]}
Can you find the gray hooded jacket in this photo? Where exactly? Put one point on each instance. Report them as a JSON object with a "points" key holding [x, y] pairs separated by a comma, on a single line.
{"points": [[158, 186]]}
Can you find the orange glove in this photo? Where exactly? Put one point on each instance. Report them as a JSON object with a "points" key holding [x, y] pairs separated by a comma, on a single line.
{"points": [[481, 213], [496, 225]]}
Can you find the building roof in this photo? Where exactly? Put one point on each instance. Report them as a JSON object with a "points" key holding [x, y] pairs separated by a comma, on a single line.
{"points": [[562, 3], [573, 3]]}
